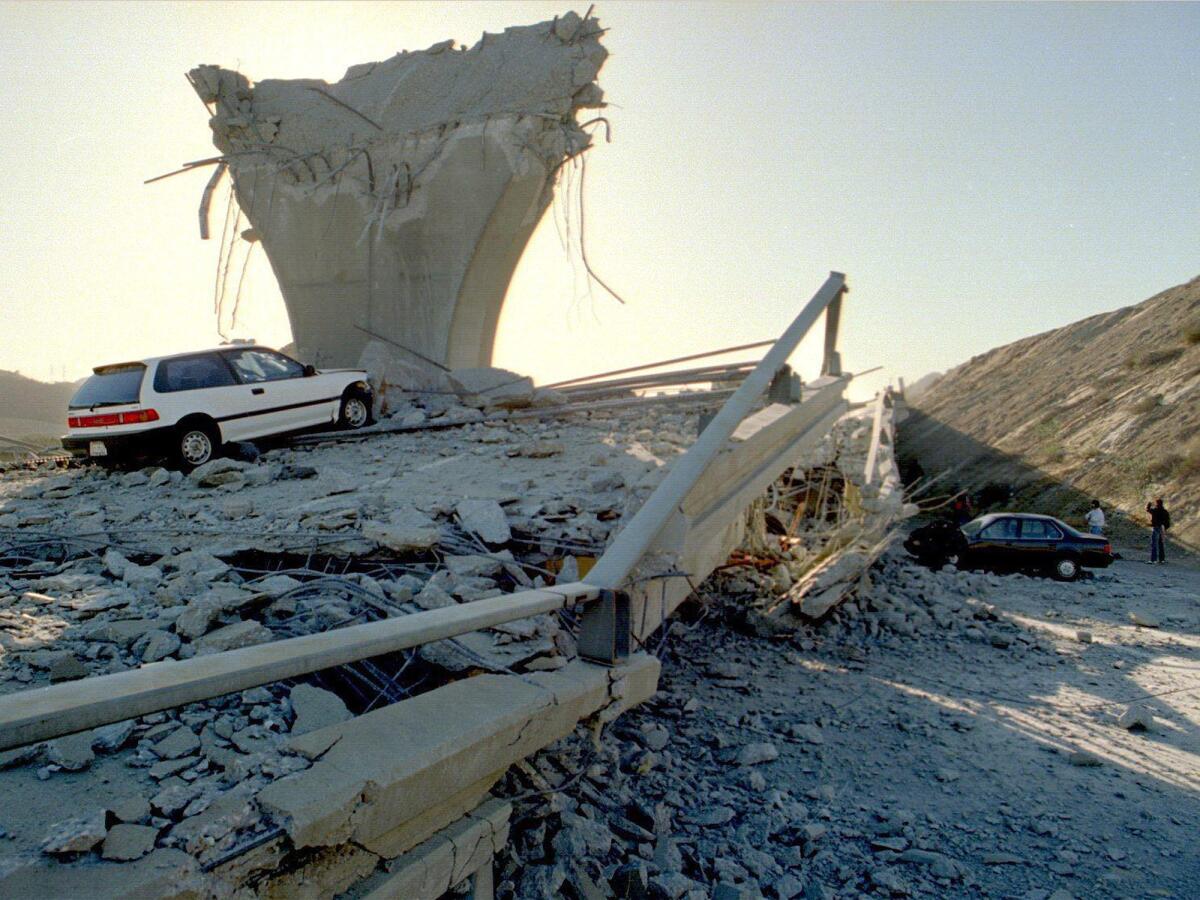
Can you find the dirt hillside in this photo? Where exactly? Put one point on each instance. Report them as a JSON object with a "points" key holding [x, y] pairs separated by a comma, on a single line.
{"points": [[1107, 407]]}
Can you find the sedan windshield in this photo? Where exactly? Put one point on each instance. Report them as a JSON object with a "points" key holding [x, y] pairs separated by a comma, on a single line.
{"points": [[973, 527], [110, 387]]}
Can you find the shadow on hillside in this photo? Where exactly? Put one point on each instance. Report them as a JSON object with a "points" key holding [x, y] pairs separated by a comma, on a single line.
{"points": [[996, 481]]}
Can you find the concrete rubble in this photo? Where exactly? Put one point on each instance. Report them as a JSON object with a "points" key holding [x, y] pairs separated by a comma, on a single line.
{"points": [[724, 784], [895, 748], [395, 204], [105, 571]]}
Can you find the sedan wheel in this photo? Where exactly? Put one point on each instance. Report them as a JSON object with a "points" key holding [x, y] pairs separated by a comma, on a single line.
{"points": [[195, 447], [355, 412], [1066, 569]]}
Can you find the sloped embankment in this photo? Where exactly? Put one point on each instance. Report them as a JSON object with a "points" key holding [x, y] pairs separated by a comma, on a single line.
{"points": [[1107, 407]]}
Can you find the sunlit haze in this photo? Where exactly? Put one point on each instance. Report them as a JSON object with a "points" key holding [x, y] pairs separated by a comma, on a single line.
{"points": [[980, 172]]}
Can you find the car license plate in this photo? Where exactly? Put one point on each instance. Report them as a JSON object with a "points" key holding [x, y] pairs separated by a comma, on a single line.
{"points": [[97, 448]]}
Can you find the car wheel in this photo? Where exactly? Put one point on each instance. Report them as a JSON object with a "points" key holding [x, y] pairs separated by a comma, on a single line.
{"points": [[1066, 568], [195, 445], [355, 411]]}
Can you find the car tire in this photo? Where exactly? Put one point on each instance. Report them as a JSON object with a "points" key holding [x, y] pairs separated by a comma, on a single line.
{"points": [[355, 412], [1065, 568], [195, 444]]}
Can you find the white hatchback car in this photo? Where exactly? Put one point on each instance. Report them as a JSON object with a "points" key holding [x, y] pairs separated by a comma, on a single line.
{"points": [[187, 406]]}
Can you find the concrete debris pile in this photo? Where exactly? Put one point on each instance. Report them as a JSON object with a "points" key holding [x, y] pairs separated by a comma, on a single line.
{"points": [[820, 530], [559, 485], [395, 204], [104, 571]]}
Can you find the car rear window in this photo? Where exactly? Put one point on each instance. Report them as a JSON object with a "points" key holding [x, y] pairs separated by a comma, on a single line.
{"points": [[1037, 529], [110, 387], [190, 373]]}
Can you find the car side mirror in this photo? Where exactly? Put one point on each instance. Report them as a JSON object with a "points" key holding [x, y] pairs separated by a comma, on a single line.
{"points": [[310, 371]]}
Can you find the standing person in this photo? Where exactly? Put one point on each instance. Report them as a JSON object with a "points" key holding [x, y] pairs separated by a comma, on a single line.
{"points": [[961, 509], [1160, 523], [1095, 518]]}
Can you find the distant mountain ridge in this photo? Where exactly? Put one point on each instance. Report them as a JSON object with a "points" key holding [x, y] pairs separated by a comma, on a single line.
{"points": [[1107, 407], [30, 408]]}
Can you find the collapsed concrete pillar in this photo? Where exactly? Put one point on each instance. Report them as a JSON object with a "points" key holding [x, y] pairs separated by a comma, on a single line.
{"points": [[396, 202]]}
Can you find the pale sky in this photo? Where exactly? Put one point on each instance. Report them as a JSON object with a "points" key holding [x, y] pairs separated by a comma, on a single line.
{"points": [[980, 172]]}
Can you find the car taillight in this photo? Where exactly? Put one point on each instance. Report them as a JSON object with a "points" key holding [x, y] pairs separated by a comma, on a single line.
{"points": [[1108, 549], [126, 418]]}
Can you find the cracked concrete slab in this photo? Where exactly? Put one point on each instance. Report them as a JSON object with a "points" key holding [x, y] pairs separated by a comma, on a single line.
{"points": [[390, 766]]}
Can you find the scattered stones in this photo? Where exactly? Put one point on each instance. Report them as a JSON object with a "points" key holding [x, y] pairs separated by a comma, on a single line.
{"points": [[754, 754], [1143, 619]]}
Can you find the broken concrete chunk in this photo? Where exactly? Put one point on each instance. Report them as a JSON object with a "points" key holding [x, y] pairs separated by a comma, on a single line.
{"points": [[276, 585], [134, 810], [217, 472], [111, 738], [228, 813], [485, 518], [172, 799], [316, 708], [406, 529], [1143, 619], [125, 842], [433, 597], [78, 835], [73, 752], [232, 637], [21, 756], [67, 668], [753, 754], [180, 742], [156, 645], [115, 563], [1137, 718], [141, 577], [197, 618], [474, 566], [496, 387]]}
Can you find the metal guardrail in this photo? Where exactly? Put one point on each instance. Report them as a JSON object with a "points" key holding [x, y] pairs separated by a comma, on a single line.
{"points": [[44, 713]]}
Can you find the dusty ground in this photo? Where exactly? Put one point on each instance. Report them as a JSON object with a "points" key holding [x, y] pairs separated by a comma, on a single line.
{"points": [[954, 738]]}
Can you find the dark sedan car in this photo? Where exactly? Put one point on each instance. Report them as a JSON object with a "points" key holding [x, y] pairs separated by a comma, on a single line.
{"points": [[1007, 541]]}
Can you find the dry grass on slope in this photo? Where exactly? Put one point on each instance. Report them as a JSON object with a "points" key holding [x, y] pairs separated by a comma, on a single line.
{"points": [[1108, 407]]}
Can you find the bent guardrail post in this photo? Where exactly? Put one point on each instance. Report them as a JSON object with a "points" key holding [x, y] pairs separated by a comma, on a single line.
{"points": [[831, 364], [635, 538]]}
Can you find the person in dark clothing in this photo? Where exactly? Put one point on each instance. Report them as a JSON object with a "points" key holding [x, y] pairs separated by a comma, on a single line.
{"points": [[961, 509], [1160, 523]]}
